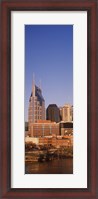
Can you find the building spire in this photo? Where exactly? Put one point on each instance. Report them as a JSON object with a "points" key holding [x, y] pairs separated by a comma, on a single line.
{"points": [[33, 78], [40, 86], [33, 86]]}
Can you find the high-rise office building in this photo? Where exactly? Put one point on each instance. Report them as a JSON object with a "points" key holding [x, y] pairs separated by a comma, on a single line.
{"points": [[36, 110], [53, 113], [66, 113]]}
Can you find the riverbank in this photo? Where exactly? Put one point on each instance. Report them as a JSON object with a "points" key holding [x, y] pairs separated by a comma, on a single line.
{"points": [[48, 159], [36, 153]]}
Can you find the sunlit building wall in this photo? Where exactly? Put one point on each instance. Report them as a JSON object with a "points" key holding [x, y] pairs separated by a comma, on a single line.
{"points": [[66, 113], [36, 110], [43, 128]]}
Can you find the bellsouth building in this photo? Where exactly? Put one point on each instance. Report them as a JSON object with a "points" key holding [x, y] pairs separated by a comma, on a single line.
{"points": [[36, 110], [38, 126], [37, 123]]}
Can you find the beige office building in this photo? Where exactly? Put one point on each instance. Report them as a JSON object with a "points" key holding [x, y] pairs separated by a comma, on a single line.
{"points": [[66, 113]]}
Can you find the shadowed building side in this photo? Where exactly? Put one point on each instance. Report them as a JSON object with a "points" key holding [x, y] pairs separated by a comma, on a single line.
{"points": [[53, 113], [66, 128]]}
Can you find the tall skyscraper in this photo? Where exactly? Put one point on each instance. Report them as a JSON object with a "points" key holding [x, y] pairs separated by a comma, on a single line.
{"points": [[66, 113], [36, 110], [53, 113]]}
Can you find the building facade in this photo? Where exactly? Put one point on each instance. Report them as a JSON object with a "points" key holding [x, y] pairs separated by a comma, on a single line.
{"points": [[50, 140], [66, 113], [43, 128], [53, 113], [36, 110], [66, 128]]}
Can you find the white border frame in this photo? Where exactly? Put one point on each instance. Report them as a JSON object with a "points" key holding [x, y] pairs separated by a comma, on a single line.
{"points": [[79, 21]]}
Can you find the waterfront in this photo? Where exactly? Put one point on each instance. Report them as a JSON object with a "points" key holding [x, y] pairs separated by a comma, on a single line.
{"points": [[56, 166]]}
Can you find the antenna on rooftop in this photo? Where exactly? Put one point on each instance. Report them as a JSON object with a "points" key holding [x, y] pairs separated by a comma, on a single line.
{"points": [[33, 85]]}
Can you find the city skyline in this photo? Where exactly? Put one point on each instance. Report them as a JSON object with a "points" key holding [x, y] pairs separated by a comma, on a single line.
{"points": [[49, 55]]}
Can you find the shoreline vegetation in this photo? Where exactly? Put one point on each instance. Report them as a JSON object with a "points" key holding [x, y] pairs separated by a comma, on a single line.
{"points": [[42, 153]]}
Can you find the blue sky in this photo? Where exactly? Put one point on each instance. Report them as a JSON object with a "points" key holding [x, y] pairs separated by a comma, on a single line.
{"points": [[49, 56]]}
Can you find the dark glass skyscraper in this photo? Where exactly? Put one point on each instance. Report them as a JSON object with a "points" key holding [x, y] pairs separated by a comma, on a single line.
{"points": [[53, 113]]}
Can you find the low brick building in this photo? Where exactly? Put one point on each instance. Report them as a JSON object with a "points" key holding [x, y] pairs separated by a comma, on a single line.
{"points": [[43, 128], [66, 128], [57, 141]]}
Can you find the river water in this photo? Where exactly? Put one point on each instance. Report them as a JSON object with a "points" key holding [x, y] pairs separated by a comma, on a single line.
{"points": [[56, 166]]}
